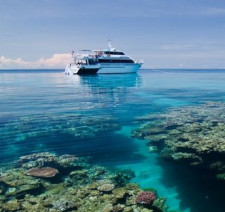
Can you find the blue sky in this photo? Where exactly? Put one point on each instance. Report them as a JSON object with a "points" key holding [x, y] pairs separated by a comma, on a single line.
{"points": [[164, 33]]}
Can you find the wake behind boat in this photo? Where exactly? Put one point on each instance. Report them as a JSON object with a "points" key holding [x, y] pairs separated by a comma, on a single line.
{"points": [[109, 61]]}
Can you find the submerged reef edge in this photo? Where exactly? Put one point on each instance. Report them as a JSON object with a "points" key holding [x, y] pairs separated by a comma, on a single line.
{"points": [[51, 183], [192, 135]]}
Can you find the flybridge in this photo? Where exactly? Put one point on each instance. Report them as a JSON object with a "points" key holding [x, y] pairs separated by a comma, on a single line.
{"points": [[101, 52], [108, 52], [102, 61]]}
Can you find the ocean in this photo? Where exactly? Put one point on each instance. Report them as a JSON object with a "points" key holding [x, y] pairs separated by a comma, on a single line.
{"points": [[95, 117]]}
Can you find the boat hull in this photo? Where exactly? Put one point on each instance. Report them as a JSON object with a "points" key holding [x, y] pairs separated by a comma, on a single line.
{"points": [[103, 69], [81, 70], [87, 71], [119, 68]]}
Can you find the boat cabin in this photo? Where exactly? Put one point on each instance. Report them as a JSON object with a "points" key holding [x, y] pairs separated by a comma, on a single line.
{"points": [[86, 60]]}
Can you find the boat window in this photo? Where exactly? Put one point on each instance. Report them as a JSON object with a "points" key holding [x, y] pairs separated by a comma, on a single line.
{"points": [[92, 61], [81, 62], [114, 53], [114, 61]]}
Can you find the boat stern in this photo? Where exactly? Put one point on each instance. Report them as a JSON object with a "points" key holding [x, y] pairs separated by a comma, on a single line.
{"points": [[71, 69]]}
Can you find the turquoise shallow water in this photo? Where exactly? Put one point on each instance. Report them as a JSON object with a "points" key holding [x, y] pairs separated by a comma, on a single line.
{"points": [[38, 107]]}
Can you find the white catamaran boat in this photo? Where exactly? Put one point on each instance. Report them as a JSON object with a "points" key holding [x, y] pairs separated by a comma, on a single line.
{"points": [[109, 61]]}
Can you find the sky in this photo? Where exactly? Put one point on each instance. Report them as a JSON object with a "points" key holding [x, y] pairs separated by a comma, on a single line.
{"points": [[162, 33]]}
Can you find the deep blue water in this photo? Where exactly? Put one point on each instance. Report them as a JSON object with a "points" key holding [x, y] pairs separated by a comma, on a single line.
{"points": [[39, 110]]}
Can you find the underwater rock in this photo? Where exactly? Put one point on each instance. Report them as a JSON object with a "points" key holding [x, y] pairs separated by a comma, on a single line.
{"points": [[42, 172], [145, 198]]}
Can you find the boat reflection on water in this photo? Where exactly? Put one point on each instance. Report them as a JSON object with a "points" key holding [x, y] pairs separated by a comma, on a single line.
{"points": [[113, 86], [101, 98], [108, 80]]}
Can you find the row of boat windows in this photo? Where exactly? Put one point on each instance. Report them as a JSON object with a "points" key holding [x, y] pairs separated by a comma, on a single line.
{"points": [[114, 53], [114, 61], [93, 61]]}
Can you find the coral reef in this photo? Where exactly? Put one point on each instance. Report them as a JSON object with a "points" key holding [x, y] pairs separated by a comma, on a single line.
{"points": [[46, 159], [119, 193], [39, 125], [106, 187], [42, 172], [194, 135], [145, 198], [122, 177], [82, 187]]}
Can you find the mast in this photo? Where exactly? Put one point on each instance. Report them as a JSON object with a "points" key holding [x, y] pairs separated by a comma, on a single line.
{"points": [[109, 45]]}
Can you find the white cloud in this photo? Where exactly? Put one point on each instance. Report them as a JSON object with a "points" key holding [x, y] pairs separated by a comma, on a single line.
{"points": [[56, 61]]}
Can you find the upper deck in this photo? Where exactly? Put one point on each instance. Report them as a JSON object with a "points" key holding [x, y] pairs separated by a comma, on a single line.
{"points": [[110, 55]]}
